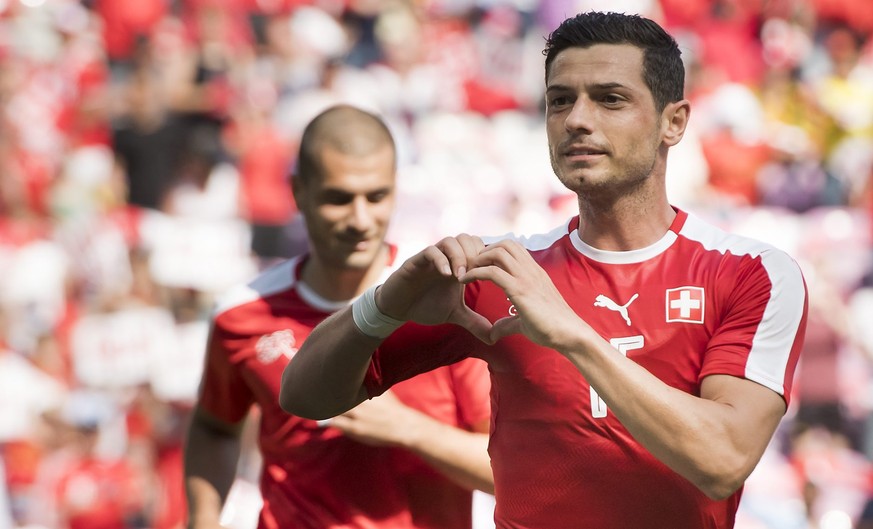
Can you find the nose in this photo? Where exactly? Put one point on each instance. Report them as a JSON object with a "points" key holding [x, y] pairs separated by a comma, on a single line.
{"points": [[579, 117], [360, 215]]}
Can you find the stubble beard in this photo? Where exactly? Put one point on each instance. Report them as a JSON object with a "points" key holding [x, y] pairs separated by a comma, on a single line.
{"points": [[607, 189], [604, 192]]}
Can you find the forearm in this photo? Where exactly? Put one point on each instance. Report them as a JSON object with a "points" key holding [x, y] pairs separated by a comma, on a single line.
{"points": [[210, 463], [460, 455], [682, 431], [325, 377], [713, 444]]}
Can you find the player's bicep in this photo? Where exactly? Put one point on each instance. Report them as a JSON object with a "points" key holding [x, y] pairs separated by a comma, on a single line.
{"points": [[752, 412], [208, 421]]}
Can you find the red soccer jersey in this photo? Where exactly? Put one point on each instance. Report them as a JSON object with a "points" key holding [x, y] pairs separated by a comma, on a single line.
{"points": [[314, 477], [696, 303]]}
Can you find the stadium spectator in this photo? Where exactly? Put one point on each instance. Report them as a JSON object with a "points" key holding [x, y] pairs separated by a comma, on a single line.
{"points": [[263, 157], [89, 486], [409, 459], [634, 345], [146, 139]]}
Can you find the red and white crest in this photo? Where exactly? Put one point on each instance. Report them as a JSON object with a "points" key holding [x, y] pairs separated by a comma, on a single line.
{"points": [[685, 304], [272, 346]]}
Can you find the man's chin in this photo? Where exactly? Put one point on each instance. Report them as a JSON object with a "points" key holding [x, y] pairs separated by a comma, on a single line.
{"points": [[360, 260]]}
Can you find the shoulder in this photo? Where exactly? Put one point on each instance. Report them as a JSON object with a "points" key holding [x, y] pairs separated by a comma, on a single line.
{"points": [[538, 241], [710, 238], [271, 281], [746, 272]]}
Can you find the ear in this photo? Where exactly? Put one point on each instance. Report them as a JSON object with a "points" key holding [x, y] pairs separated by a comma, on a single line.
{"points": [[674, 120], [298, 189]]}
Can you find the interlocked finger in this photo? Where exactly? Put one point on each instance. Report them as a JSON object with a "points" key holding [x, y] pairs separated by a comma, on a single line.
{"points": [[459, 251]]}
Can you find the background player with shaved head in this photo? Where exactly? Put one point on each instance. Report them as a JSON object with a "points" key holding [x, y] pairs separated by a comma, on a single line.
{"points": [[407, 460]]}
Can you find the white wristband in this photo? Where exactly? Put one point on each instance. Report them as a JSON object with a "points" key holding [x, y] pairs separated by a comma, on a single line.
{"points": [[370, 319]]}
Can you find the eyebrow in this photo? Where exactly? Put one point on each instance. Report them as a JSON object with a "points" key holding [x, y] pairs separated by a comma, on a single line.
{"points": [[597, 86], [346, 192]]}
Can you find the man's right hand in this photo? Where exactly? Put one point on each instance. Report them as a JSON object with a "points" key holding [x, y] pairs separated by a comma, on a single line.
{"points": [[426, 288], [326, 376]]}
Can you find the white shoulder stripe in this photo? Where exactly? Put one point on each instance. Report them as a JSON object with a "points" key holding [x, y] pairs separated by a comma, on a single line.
{"points": [[771, 346], [783, 315], [714, 238], [539, 241], [275, 279]]}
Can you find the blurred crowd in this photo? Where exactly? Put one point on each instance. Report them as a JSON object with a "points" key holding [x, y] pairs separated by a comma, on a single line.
{"points": [[144, 154]]}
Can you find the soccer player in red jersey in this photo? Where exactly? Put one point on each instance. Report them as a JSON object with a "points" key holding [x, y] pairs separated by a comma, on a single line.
{"points": [[407, 460], [641, 359]]}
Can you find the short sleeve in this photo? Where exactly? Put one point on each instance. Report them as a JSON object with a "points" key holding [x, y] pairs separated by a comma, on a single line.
{"points": [[763, 324], [223, 390]]}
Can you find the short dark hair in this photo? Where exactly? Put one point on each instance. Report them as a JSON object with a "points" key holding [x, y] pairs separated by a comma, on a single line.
{"points": [[663, 70], [345, 128]]}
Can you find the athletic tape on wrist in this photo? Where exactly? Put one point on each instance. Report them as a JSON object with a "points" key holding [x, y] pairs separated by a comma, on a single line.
{"points": [[369, 319]]}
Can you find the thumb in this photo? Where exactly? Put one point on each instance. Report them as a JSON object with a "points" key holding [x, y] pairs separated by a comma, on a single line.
{"points": [[504, 327], [476, 324]]}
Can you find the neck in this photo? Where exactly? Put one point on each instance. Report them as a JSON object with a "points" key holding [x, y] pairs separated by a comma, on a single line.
{"points": [[337, 283], [625, 222]]}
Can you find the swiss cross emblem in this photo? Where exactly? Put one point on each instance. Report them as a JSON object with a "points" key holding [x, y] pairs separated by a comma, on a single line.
{"points": [[685, 304], [272, 346]]}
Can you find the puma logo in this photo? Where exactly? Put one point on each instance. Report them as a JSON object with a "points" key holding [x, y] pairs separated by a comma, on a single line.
{"points": [[603, 301]]}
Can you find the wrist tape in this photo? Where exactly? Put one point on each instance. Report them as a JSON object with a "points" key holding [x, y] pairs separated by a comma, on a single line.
{"points": [[369, 319]]}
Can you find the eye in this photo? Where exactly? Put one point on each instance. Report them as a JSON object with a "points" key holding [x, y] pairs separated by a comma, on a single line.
{"points": [[379, 196], [559, 101], [611, 99], [336, 199]]}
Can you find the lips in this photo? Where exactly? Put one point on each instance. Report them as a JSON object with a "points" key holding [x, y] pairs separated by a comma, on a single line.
{"points": [[356, 242], [578, 150]]}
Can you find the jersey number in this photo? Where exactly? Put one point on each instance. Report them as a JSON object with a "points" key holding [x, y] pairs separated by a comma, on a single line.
{"points": [[628, 343]]}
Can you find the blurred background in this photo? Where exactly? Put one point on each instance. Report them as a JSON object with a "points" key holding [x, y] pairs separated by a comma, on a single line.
{"points": [[144, 153]]}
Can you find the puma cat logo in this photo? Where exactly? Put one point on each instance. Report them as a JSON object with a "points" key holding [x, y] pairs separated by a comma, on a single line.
{"points": [[603, 301]]}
